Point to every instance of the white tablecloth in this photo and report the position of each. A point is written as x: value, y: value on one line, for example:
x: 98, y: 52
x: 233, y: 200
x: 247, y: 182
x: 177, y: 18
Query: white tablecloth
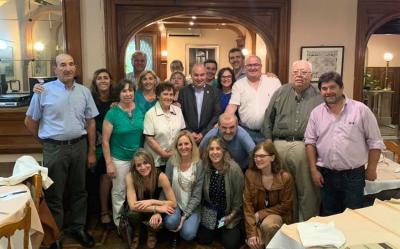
x: 388, y: 178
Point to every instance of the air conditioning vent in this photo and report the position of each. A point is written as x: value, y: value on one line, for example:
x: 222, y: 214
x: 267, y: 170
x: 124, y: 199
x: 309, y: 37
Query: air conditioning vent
x: 183, y: 33
x: 47, y: 2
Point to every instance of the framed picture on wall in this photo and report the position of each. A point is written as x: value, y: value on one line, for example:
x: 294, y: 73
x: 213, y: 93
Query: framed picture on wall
x: 198, y: 54
x: 323, y: 59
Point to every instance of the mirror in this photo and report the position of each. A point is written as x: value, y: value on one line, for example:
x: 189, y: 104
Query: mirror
x: 382, y: 76
x: 193, y: 39
x: 31, y: 35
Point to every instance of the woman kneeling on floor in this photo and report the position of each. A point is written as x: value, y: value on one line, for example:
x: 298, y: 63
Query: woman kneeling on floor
x: 267, y: 197
x: 144, y: 185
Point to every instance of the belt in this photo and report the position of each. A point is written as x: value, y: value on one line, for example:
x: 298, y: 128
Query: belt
x: 289, y: 138
x: 64, y: 142
x: 323, y: 169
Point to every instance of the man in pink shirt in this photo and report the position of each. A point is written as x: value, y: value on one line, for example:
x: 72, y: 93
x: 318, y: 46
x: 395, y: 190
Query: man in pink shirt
x: 342, y: 135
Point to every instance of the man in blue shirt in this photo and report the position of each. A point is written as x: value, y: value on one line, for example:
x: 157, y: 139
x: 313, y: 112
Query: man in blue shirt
x: 62, y: 118
x: 239, y: 143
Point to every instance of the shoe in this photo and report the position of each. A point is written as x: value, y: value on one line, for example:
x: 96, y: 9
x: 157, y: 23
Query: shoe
x: 151, y: 239
x: 105, y: 218
x: 136, y: 238
x: 83, y: 238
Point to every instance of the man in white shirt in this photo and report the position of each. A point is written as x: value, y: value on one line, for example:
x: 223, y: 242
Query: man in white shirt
x: 251, y: 96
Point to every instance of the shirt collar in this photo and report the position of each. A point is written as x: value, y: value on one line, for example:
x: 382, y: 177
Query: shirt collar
x: 60, y: 84
x: 160, y: 112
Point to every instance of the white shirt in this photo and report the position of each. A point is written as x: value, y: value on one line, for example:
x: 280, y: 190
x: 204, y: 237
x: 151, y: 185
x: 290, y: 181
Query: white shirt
x: 187, y: 179
x: 252, y: 103
x: 163, y: 127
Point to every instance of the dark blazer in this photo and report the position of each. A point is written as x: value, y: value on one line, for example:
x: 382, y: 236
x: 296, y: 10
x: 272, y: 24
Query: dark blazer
x: 210, y: 110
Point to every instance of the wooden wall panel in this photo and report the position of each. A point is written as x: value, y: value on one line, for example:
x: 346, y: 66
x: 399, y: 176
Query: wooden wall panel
x: 269, y: 18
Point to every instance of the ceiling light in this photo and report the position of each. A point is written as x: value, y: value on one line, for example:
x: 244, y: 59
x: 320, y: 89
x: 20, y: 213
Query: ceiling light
x: 194, y: 17
x: 191, y: 23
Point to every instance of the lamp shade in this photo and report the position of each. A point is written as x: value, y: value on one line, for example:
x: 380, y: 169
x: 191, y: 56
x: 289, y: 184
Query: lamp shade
x: 388, y: 56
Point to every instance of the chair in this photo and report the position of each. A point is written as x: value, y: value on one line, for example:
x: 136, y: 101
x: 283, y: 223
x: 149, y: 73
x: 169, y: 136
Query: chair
x: 394, y: 148
x: 36, y: 188
x: 24, y: 224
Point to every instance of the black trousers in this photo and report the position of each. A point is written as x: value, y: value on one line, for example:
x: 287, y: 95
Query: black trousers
x: 230, y: 238
x: 67, y: 168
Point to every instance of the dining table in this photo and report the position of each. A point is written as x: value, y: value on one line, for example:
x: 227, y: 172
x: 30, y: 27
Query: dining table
x: 13, y: 200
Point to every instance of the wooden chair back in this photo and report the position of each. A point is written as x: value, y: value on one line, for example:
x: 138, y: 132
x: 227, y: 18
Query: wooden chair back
x: 395, y: 148
x: 36, y: 188
x: 24, y: 224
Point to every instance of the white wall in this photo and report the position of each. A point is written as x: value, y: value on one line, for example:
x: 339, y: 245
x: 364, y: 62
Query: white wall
x: 93, y: 38
x: 224, y: 38
x: 380, y: 44
x: 325, y: 23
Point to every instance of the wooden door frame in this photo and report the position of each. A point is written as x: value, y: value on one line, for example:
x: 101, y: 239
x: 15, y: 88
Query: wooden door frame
x: 270, y: 19
x: 371, y: 15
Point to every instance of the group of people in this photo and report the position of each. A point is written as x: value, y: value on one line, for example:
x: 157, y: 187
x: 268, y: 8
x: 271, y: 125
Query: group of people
x: 235, y: 156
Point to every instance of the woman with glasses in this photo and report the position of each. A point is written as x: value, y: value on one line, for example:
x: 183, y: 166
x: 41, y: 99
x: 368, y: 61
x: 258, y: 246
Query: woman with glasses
x: 225, y: 80
x: 267, y: 197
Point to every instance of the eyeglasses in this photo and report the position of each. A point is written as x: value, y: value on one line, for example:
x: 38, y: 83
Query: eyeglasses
x: 256, y: 65
x: 261, y: 156
x: 302, y: 73
x: 226, y: 77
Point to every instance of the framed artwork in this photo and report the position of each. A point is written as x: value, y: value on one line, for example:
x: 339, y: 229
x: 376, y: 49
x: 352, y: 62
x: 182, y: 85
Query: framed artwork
x: 200, y: 53
x: 323, y: 59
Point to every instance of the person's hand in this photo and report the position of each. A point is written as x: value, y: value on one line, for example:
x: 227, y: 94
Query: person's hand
x: 91, y: 159
x: 272, y: 75
x: 180, y: 225
x: 167, y: 154
x: 113, y: 104
x: 110, y: 170
x: 317, y: 177
x: 257, y: 215
x: 155, y: 221
x: 197, y: 137
x: 143, y: 204
x: 38, y: 88
x: 165, y: 209
x: 370, y: 175
x: 254, y: 242
x: 228, y: 219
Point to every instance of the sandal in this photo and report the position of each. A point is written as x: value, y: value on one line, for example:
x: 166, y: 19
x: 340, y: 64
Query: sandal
x: 151, y: 239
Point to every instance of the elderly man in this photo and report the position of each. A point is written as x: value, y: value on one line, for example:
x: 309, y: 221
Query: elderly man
x: 139, y: 62
x: 236, y: 59
x: 62, y: 118
x: 211, y: 69
x: 199, y: 103
x: 342, y: 135
x: 285, y: 122
x: 252, y: 95
x: 239, y: 143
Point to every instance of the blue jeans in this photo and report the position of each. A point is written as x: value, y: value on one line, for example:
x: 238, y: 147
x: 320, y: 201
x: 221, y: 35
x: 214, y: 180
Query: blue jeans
x: 189, y: 228
x: 342, y: 189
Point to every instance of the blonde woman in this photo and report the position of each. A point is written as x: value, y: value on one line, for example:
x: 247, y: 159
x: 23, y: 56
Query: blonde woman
x: 185, y: 172
x: 145, y: 96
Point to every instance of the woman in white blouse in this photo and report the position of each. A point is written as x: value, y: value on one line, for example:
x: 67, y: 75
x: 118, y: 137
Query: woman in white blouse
x: 161, y: 124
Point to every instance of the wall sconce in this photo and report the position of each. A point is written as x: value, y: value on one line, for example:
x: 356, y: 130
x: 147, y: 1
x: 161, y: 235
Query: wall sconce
x: 38, y: 46
x: 245, y: 51
x: 164, y: 53
x: 387, y: 57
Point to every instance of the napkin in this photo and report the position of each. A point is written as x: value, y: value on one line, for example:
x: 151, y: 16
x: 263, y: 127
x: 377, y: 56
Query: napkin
x: 25, y: 167
x: 320, y: 234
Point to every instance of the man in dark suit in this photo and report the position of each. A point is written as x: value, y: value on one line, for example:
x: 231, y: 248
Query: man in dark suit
x: 200, y: 104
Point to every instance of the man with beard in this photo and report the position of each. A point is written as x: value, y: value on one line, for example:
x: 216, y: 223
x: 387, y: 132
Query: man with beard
x: 285, y: 122
x: 238, y: 141
x: 236, y: 59
x: 211, y: 69
x: 342, y: 135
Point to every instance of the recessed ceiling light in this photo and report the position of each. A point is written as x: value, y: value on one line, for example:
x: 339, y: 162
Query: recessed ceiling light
x: 194, y: 17
x: 191, y: 23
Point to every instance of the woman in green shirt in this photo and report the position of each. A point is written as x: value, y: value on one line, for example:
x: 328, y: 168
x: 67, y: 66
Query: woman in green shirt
x: 122, y: 137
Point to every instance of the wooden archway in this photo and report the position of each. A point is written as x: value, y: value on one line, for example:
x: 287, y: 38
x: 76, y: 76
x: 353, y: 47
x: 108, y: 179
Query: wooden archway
x: 270, y: 19
x: 371, y: 14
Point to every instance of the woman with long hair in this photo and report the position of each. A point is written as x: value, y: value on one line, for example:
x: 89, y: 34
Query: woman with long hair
x: 225, y: 80
x: 186, y: 174
x: 122, y: 137
x: 221, y: 208
x: 144, y: 184
x: 178, y: 79
x: 145, y: 96
x: 268, y: 196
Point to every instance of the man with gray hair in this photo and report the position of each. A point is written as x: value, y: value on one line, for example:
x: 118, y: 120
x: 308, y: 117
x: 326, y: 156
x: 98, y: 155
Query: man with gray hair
x: 239, y: 143
x: 139, y: 62
x: 285, y: 122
